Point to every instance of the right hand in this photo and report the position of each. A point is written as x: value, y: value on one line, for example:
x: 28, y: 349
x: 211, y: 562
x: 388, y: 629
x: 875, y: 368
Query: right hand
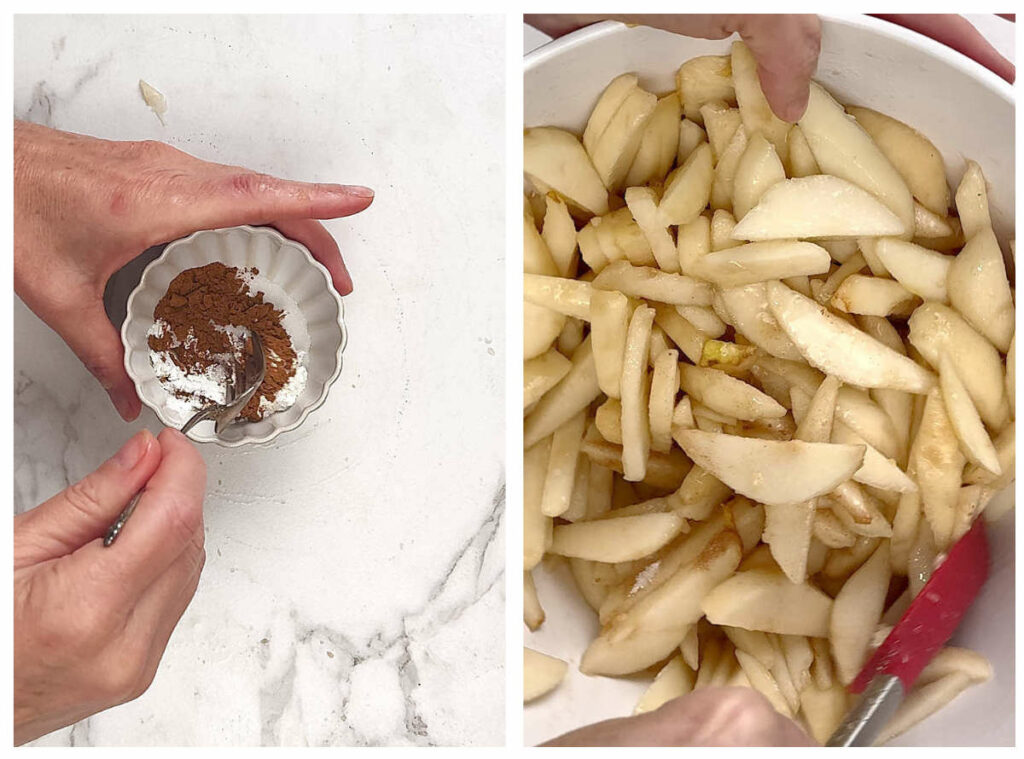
x: 705, y: 717
x: 91, y: 622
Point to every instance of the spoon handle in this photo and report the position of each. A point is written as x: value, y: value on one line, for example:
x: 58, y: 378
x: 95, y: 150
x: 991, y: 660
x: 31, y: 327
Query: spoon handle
x: 201, y: 415
x: 115, y: 529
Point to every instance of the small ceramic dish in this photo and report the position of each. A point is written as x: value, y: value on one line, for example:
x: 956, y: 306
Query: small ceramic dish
x: 290, y: 268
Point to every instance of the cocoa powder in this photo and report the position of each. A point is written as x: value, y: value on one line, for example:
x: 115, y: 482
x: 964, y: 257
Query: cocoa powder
x: 199, y: 310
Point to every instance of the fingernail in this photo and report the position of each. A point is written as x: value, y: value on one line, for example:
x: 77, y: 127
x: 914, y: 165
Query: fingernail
x: 131, y: 453
x: 127, y: 406
x: 357, y: 190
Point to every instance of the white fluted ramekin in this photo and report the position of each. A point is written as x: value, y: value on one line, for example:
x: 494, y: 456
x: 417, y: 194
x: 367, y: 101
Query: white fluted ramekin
x: 285, y: 263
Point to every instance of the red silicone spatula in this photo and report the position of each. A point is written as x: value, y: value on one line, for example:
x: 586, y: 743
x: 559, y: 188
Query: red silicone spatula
x: 923, y: 629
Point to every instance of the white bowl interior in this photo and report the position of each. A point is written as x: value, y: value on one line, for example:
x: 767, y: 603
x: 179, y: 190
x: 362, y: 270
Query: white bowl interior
x: 287, y: 265
x: 967, y: 112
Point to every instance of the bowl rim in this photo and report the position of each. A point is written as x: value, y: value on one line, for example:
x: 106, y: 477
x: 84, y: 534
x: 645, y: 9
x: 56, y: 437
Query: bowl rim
x: 934, y: 49
x: 252, y: 231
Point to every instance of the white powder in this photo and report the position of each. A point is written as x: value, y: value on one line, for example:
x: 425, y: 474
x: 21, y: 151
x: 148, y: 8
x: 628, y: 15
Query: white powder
x: 190, y: 392
x: 644, y: 577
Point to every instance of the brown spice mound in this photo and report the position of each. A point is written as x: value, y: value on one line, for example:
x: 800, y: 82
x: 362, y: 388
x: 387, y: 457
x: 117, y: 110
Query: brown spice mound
x: 201, y: 300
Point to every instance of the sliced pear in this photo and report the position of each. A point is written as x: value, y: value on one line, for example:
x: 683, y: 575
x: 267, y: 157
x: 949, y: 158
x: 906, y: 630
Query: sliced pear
x: 703, y: 79
x: 759, y: 168
x: 930, y: 225
x: 541, y: 674
x: 1005, y: 449
x: 643, y: 204
x: 938, y: 463
x: 838, y: 348
x: 758, y: 117
x: 689, y: 339
x: 722, y: 225
x: 693, y: 241
x: 922, y: 702
x: 690, y: 136
x: 636, y: 435
x: 917, y: 160
x: 843, y: 149
x: 878, y: 471
x: 924, y: 272
x: 664, y: 388
x: 541, y: 327
x: 536, y: 526
x: 972, y: 201
x: 658, y: 145
x: 979, y: 290
x: 559, y: 233
x: 769, y: 602
x: 590, y: 247
x: 609, y: 320
x: 536, y: 256
x: 688, y: 188
x: 657, y: 623
x: 561, y: 294
x: 675, y: 679
x: 626, y: 655
x: 761, y: 680
x: 615, y: 149
x: 823, y: 709
x: 872, y: 296
x: 608, y: 103
x: 727, y: 395
x: 761, y: 261
x: 533, y: 613
x: 771, y: 471
x: 720, y: 123
x: 749, y: 313
x: 935, y: 329
x: 801, y: 161
x: 542, y: 373
x: 841, y: 249
x: 817, y: 206
x: 561, y: 473
x: 787, y: 531
x: 856, y: 612
x: 653, y: 284
x: 566, y: 399
x: 705, y: 319
x: 616, y: 539
x: 725, y: 171
x: 557, y: 160
x: 970, y: 430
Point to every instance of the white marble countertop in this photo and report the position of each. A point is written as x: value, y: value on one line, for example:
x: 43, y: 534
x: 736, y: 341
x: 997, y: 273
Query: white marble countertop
x: 353, y: 591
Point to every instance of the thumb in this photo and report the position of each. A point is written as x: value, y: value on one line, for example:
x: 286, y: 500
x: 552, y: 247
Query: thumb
x: 83, y: 512
x: 89, y: 333
x: 786, y: 48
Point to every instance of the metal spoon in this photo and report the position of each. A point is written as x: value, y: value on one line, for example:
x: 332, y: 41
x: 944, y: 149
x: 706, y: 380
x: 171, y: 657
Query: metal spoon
x: 254, y: 369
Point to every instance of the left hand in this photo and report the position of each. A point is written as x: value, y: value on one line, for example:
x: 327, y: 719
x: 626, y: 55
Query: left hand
x: 84, y: 207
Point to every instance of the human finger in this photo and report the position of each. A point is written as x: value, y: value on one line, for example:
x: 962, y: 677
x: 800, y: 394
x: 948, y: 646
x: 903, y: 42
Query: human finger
x: 958, y: 33
x: 83, y: 511
x: 229, y: 196
x: 785, y: 45
x: 786, y: 48
x: 163, y: 525
x: 89, y: 333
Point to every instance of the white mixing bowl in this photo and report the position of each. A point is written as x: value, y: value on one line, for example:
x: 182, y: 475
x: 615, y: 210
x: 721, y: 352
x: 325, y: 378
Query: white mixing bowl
x: 968, y: 112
